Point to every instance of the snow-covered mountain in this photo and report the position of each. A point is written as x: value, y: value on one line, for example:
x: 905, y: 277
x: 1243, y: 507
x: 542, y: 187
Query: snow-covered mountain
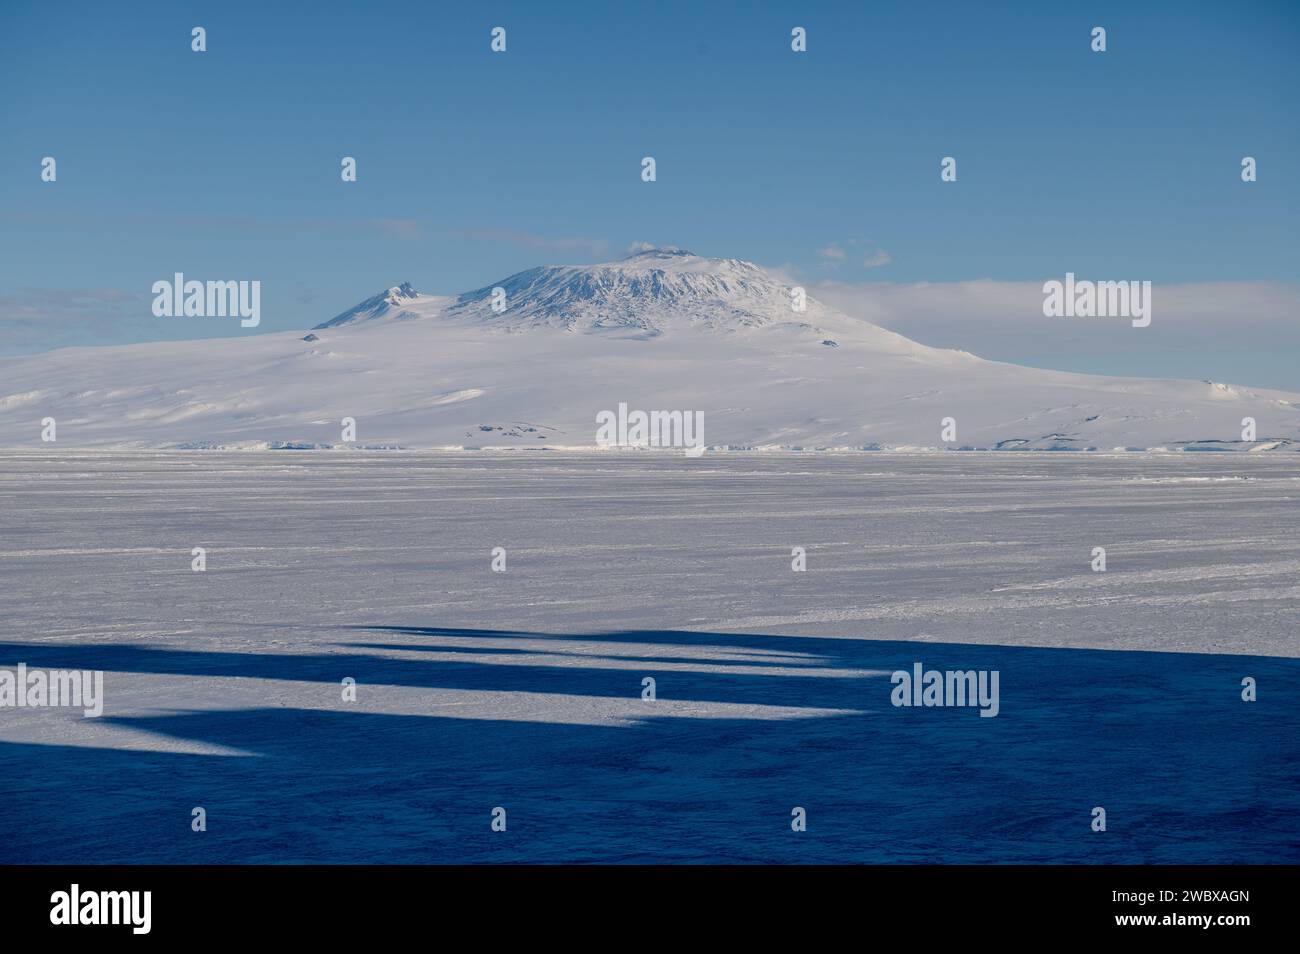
x: 531, y: 360
x: 646, y: 294
x: 387, y: 304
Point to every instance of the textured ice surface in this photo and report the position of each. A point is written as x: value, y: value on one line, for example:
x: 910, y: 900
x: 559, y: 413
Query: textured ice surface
x: 522, y: 689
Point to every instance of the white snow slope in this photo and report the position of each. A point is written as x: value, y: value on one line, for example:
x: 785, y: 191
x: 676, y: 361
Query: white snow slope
x: 660, y: 330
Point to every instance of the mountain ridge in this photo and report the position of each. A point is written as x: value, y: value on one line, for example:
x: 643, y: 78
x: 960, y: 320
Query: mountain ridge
x: 661, y: 329
x: 646, y: 294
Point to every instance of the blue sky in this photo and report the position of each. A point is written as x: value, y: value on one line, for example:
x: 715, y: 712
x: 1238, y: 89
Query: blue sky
x: 472, y: 165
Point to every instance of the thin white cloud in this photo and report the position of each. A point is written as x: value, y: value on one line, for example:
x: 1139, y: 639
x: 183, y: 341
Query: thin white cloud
x: 996, y: 319
x: 545, y: 242
x: 836, y: 253
x: 408, y: 230
x: 65, y: 304
x: 44, y: 318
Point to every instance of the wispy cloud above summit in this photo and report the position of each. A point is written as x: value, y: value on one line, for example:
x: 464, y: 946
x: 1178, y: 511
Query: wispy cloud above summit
x: 861, y: 251
x: 591, y: 246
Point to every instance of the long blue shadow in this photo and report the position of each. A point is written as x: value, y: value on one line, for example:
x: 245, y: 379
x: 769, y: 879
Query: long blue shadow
x: 1186, y: 771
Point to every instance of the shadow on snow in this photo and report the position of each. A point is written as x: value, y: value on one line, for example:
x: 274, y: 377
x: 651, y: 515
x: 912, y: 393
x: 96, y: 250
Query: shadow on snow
x: 1186, y: 770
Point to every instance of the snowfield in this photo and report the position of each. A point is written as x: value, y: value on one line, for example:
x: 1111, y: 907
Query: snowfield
x: 523, y: 689
x: 661, y: 330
